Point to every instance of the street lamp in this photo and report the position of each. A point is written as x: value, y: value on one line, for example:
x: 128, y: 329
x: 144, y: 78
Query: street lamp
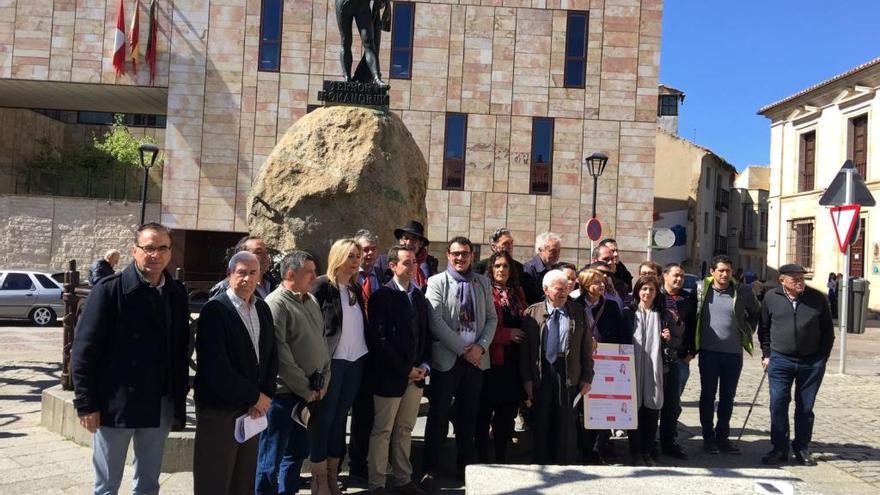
x: 150, y: 152
x: 596, y: 165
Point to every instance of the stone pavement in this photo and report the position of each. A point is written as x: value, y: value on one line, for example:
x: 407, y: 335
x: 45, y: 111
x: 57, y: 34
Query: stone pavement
x: 846, y: 435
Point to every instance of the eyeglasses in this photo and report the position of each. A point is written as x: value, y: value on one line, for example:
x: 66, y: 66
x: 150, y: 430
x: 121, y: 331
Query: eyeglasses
x: 459, y: 254
x: 154, y: 249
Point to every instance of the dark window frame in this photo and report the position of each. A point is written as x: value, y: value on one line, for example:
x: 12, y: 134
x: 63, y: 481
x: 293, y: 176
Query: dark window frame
x: 764, y: 220
x: 801, y: 240
x: 407, y: 50
x: 274, y: 42
x: 583, y: 60
x: 448, y: 164
x: 533, y: 165
x: 46, y: 282
x: 664, y: 105
x: 807, y: 162
x: 861, y: 167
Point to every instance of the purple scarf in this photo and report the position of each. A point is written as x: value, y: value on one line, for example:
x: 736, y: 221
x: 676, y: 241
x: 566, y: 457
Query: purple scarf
x: 465, y: 299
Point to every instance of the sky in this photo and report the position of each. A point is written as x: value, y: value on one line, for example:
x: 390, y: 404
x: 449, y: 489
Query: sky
x: 733, y: 57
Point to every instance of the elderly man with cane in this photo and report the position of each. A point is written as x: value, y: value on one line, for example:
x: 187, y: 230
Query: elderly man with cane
x: 796, y: 335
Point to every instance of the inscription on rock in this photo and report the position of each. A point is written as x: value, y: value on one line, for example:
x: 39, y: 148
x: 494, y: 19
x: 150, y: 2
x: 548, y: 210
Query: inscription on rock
x: 355, y: 93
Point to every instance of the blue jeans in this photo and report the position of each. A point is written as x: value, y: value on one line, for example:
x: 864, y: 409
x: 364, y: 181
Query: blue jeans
x: 806, y: 374
x: 110, y: 446
x: 684, y: 372
x: 719, y: 371
x: 328, y: 417
x: 284, y: 446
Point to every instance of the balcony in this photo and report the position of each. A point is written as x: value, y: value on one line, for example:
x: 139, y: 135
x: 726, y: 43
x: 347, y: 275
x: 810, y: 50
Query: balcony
x: 722, y: 199
x: 720, y: 244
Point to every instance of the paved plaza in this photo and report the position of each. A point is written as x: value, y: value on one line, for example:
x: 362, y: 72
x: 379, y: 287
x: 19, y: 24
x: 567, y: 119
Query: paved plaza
x: 847, y: 432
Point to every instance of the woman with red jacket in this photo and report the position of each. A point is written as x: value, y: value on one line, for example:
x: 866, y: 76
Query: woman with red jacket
x: 502, y: 388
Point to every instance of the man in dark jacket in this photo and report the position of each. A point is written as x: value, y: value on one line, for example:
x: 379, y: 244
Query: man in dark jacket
x: 257, y: 247
x: 555, y: 366
x: 796, y: 335
x: 683, y: 305
x: 103, y: 267
x: 129, y: 363
x: 547, y: 249
x: 501, y: 240
x: 400, y: 350
x: 238, y: 365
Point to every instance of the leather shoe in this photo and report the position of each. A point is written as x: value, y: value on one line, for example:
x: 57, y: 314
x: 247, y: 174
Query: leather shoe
x: 775, y: 458
x: 726, y: 446
x: 675, y: 451
x: 803, y: 457
x: 710, y: 447
x: 428, y: 484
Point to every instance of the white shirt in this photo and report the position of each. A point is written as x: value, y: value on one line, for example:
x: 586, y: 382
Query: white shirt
x: 352, y: 344
x: 250, y: 318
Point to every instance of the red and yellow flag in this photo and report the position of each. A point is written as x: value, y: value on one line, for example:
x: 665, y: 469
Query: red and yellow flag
x: 134, y: 34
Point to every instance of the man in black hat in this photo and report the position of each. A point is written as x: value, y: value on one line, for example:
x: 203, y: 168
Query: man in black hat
x: 796, y: 335
x: 412, y: 236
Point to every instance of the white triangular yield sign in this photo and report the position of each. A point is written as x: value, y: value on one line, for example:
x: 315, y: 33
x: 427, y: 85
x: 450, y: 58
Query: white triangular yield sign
x: 844, y: 219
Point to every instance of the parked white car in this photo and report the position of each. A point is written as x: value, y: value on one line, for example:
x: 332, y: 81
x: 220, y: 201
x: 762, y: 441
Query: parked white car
x: 30, y: 294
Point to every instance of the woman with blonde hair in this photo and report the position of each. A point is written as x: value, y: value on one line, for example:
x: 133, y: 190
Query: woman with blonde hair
x: 342, y: 305
x: 607, y: 328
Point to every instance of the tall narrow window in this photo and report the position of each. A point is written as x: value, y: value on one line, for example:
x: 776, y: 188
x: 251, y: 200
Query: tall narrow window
x: 576, y: 49
x: 402, y: 40
x: 541, y: 174
x: 807, y: 162
x: 858, y: 144
x: 270, y: 35
x: 800, y: 242
x: 764, y: 226
x: 454, y: 151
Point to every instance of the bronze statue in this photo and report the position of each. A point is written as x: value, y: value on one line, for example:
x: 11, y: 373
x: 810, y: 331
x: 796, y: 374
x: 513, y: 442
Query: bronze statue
x: 370, y: 22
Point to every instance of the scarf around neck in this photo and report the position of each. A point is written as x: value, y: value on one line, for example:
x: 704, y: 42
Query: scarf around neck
x: 420, y: 278
x: 465, y: 299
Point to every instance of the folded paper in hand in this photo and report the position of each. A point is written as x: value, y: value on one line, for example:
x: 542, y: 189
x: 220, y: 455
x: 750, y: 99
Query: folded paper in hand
x: 246, y: 427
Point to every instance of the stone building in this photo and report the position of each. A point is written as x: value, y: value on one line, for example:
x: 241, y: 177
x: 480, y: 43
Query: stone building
x: 748, y: 218
x: 693, y: 199
x: 504, y: 97
x: 812, y: 133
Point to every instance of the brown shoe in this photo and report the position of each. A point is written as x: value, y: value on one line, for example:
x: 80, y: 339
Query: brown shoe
x: 333, y: 476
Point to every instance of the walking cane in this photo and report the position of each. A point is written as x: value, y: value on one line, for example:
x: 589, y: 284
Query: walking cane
x: 755, y: 399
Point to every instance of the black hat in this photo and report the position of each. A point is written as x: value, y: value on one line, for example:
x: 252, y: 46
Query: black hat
x: 791, y: 268
x: 414, y: 228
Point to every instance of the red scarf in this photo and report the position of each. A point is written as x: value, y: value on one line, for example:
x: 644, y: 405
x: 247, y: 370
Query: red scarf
x: 420, y: 279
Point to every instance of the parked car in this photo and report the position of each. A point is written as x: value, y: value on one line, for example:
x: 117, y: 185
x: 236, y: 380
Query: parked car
x: 30, y: 294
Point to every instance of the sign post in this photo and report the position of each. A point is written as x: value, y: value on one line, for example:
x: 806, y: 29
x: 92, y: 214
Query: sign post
x: 847, y: 193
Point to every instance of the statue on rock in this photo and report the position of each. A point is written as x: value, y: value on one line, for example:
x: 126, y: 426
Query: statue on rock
x: 370, y: 22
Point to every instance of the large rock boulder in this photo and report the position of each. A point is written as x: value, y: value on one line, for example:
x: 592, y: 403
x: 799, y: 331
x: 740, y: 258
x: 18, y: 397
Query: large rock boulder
x: 336, y: 170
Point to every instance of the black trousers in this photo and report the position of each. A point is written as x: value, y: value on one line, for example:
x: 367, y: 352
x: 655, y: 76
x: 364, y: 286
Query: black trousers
x: 499, y: 399
x: 641, y: 441
x: 554, y: 420
x: 361, y: 425
x: 671, y: 406
x: 463, y: 381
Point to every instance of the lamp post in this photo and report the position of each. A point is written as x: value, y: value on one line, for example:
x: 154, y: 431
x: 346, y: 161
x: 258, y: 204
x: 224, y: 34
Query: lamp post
x: 150, y: 152
x: 596, y: 165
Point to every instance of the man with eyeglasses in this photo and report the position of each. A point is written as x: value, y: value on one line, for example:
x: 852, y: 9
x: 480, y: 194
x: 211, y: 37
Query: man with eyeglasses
x: 604, y: 253
x: 796, y: 335
x: 621, y: 273
x: 462, y: 325
x: 500, y: 240
x: 130, y: 361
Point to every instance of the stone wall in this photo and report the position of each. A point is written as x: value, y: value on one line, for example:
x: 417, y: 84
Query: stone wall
x: 501, y: 62
x: 46, y: 232
x: 72, y: 41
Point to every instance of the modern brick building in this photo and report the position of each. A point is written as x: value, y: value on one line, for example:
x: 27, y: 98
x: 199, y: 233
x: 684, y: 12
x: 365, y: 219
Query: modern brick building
x: 504, y: 97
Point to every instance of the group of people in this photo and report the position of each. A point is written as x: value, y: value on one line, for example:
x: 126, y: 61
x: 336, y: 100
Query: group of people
x: 492, y: 338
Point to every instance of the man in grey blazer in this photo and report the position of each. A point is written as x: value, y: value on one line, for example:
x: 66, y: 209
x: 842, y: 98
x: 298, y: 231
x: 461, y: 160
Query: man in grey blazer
x: 462, y: 326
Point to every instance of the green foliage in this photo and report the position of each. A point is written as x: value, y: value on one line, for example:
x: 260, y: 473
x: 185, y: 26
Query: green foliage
x: 121, y: 145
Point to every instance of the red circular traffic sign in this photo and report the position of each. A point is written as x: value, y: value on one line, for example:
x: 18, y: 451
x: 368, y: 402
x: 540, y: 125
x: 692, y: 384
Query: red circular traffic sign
x: 594, y: 229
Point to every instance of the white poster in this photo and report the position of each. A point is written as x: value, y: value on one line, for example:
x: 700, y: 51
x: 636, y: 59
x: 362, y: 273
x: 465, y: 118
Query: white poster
x: 611, y: 403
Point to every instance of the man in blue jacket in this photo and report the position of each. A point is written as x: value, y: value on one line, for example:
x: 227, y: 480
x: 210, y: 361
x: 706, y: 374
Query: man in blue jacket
x: 400, y: 350
x: 130, y: 362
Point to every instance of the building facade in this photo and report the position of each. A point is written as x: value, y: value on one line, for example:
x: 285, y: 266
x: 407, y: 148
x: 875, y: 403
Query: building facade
x: 812, y: 133
x: 504, y: 97
x: 748, y: 217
